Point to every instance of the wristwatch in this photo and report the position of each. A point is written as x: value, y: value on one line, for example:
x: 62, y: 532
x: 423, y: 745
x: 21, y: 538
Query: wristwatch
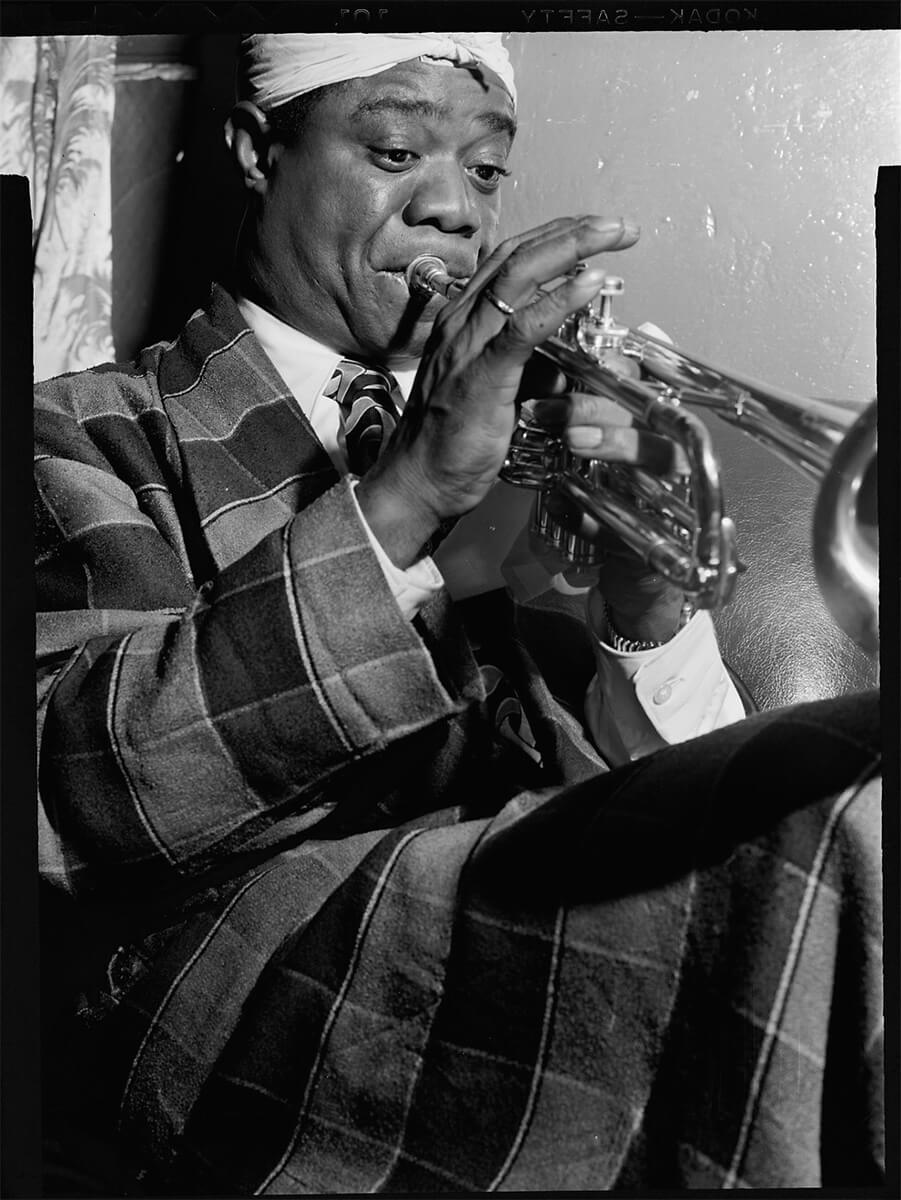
x: 633, y: 646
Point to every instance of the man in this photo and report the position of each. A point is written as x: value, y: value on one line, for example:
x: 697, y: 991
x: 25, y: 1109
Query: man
x: 340, y: 935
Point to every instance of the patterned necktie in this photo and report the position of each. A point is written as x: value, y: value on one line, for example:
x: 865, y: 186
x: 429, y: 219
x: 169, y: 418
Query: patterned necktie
x: 368, y: 412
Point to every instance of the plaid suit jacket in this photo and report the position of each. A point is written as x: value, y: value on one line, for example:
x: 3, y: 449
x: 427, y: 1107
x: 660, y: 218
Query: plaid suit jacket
x: 199, y: 637
x: 335, y: 938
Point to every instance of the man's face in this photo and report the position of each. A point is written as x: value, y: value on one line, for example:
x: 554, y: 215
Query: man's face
x: 404, y: 163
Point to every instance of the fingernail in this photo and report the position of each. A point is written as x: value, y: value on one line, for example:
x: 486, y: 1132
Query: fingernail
x: 621, y: 233
x: 604, y: 224
x: 593, y: 277
x: 631, y: 232
x: 621, y: 225
x: 584, y: 437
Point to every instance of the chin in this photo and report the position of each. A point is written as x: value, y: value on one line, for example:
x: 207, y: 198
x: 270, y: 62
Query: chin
x: 402, y: 325
x: 411, y: 338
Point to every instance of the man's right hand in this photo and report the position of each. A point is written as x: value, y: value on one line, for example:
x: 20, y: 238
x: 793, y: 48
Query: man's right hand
x: 452, y: 440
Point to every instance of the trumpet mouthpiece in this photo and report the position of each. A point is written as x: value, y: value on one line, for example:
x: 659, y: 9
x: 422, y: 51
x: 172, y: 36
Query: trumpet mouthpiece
x: 427, y: 275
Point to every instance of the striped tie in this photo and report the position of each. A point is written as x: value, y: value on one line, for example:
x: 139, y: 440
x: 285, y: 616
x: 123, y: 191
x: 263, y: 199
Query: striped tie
x: 368, y: 412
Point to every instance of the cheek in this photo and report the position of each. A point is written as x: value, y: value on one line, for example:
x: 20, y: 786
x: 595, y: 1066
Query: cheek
x: 298, y: 222
x: 490, y: 221
x: 324, y: 207
x: 366, y: 214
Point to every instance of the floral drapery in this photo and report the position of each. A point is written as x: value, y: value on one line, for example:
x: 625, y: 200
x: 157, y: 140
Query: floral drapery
x: 56, y: 114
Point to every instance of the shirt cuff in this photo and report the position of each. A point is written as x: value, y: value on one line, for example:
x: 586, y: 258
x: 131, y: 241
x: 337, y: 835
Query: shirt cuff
x: 412, y: 586
x: 640, y: 701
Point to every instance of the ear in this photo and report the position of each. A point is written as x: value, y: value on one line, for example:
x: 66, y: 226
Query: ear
x: 248, y: 137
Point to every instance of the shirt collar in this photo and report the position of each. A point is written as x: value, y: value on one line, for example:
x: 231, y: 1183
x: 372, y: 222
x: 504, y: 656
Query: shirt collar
x: 305, y: 364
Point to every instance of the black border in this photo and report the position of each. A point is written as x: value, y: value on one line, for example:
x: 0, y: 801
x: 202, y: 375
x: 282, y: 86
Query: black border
x: 19, y: 935
x: 19, y: 1014
x: 888, y: 385
x: 20, y: 17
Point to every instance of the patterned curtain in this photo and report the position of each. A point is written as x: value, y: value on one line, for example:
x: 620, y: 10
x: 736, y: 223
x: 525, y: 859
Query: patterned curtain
x: 56, y: 117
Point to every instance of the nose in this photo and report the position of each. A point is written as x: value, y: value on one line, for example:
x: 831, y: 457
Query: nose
x: 444, y: 198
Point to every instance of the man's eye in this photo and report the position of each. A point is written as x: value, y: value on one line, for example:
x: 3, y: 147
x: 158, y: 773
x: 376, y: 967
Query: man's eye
x: 393, y: 158
x: 489, y: 175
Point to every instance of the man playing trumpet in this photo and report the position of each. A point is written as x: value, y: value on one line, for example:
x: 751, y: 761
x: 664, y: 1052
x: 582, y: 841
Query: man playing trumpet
x: 342, y: 935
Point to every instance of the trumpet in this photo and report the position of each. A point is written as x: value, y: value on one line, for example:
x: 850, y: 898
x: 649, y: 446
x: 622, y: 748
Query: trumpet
x: 679, y: 527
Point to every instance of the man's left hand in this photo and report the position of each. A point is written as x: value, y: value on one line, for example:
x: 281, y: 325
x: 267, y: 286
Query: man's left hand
x: 641, y: 604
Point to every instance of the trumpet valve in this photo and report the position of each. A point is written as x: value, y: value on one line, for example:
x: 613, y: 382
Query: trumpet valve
x: 600, y: 335
x: 614, y: 285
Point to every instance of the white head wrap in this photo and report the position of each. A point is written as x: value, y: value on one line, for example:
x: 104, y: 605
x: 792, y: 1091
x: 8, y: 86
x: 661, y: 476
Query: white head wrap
x: 282, y: 66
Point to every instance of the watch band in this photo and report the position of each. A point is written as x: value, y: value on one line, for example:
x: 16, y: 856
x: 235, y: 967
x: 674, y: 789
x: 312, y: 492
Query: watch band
x: 632, y: 645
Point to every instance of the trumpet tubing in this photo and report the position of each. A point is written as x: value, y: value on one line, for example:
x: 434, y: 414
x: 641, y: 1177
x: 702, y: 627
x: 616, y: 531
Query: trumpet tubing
x: 688, y: 538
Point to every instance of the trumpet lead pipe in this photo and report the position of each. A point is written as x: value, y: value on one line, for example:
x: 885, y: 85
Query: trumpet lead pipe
x: 427, y: 275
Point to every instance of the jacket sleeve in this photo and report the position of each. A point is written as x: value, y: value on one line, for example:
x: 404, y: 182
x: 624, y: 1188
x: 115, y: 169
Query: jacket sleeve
x: 177, y: 724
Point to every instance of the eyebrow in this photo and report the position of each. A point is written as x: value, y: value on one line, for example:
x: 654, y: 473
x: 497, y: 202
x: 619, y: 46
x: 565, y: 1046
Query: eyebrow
x: 495, y: 122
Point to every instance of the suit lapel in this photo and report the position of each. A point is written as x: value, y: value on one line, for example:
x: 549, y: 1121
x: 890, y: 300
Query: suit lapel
x: 250, y: 456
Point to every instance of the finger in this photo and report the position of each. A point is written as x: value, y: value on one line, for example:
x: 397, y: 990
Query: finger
x: 578, y: 408
x: 580, y: 578
x: 516, y: 271
x: 527, y: 237
x: 513, y: 277
x: 597, y: 427
x: 555, y: 562
x: 575, y: 520
x: 655, y: 331
x: 465, y: 299
x: 532, y: 238
x: 541, y: 377
x: 518, y: 335
x: 619, y: 232
x: 543, y: 259
x: 629, y: 445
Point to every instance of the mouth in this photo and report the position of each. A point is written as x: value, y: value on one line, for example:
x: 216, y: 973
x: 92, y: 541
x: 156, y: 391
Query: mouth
x: 456, y: 269
x: 397, y: 276
x: 399, y: 281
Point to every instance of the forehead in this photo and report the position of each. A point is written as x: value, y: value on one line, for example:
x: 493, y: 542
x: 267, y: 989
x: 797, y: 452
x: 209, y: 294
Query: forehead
x: 436, y: 93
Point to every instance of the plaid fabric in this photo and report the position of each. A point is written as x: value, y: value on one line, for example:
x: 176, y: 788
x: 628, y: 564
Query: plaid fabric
x: 334, y: 937
x: 192, y: 623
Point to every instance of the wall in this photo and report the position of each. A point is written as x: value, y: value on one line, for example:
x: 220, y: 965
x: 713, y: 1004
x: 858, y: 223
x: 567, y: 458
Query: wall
x: 748, y: 158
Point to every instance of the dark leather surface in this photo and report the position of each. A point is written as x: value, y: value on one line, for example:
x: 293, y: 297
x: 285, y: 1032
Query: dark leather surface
x: 777, y: 634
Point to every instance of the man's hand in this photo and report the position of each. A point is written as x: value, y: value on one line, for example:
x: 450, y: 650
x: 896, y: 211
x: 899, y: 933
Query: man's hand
x: 641, y: 604
x: 452, y: 440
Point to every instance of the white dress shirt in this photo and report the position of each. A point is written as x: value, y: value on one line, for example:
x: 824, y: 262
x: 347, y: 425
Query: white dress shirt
x: 637, y: 702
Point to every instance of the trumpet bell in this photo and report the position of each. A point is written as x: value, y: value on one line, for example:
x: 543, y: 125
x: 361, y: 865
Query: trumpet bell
x: 846, y: 537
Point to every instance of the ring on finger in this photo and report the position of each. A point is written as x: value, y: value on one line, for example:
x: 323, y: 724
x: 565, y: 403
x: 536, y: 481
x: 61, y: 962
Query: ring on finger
x: 501, y: 305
